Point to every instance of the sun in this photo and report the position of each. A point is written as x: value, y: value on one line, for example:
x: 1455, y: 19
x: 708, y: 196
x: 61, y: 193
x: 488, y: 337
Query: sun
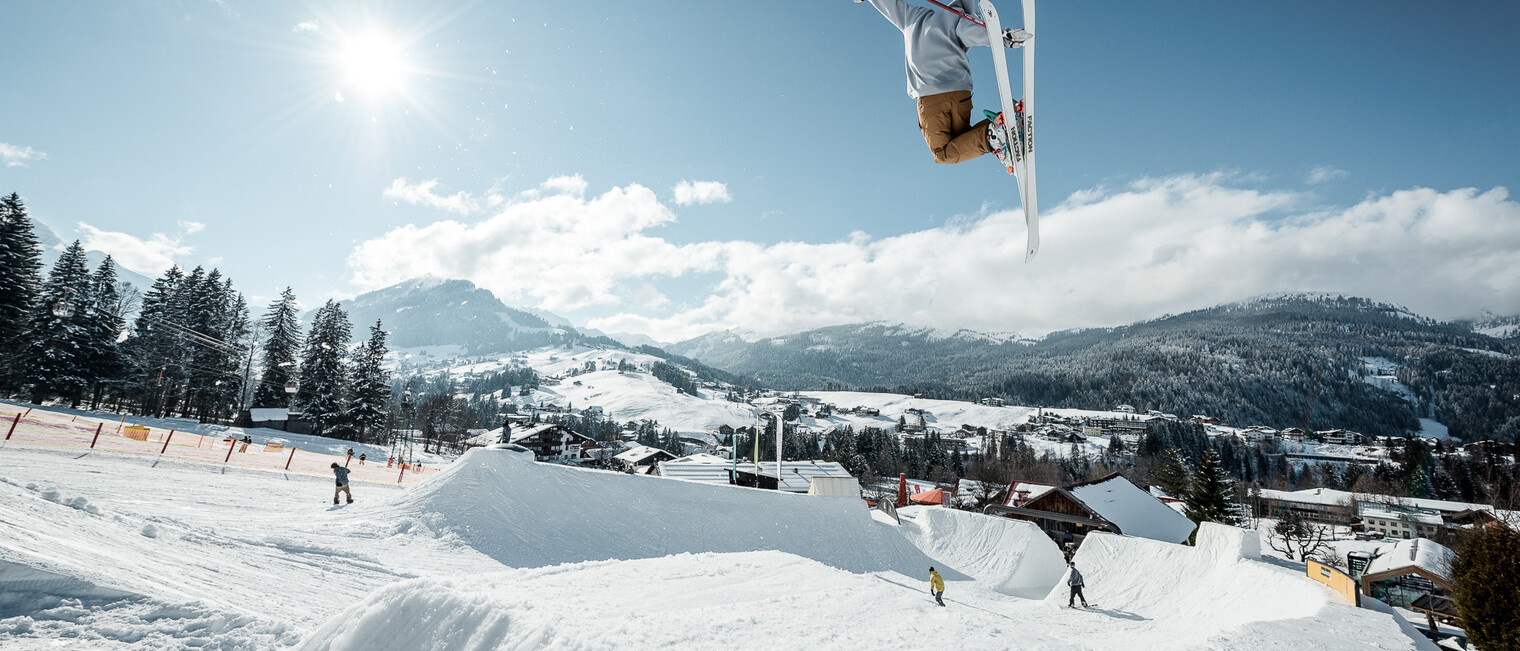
x: 373, y: 63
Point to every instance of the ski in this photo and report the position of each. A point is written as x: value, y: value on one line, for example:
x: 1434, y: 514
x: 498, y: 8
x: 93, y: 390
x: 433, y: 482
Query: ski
x: 1018, y: 118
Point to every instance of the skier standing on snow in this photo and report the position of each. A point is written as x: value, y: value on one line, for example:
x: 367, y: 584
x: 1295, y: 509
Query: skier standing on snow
x: 1074, y: 580
x: 936, y: 586
x: 939, y: 76
x: 342, y: 475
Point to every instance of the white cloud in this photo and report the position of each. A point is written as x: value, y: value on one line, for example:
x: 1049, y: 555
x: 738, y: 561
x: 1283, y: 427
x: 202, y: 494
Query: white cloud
x: 687, y: 193
x: 151, y: 256
x: 1324, y: 173
x: 18, y: 156
x: 190, y: 227
x: 1110, y: 256
x: 305, y: 26
x: 422, y: 194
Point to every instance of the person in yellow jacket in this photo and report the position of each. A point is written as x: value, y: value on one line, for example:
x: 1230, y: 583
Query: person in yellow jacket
x: 936, y: 586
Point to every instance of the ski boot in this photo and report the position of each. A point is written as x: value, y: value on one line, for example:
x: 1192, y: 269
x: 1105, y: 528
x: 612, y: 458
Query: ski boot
x: 997, y: 143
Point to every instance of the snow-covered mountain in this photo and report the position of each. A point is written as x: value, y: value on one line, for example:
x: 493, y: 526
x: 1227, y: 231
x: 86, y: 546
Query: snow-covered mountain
x: 53, y: 246
x: 432, y: 311
x: 1250, y: 362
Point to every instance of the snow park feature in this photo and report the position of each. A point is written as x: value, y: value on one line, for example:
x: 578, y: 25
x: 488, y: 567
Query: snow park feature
x: 1008, y: 556
x: 517, y: 511
x: 106, y: 549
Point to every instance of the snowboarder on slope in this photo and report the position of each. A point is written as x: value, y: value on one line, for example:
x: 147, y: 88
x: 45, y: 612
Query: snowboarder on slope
x: 939, y: 76
x: 936, y: 586
x: 1074, y: 581
x: 342, y: 475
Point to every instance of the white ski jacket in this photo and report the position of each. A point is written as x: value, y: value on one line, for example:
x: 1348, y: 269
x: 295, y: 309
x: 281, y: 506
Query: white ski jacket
x: 936, y: 43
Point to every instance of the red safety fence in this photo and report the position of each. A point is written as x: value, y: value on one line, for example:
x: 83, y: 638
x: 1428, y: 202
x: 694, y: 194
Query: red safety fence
x: 49, y: 429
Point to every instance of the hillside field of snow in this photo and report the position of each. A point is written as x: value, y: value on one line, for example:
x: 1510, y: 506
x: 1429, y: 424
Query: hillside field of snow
x: 105, y: 549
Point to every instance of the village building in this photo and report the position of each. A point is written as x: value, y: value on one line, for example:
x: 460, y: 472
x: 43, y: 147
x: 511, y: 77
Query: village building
x: 641, y: 458
x: 702, y: 468
x: 796, y: 476
x: 1393, y: 516
x: 1415, y: 571
x: 550, y: 442
x: 1111, y: 503
x: 1399, y: 522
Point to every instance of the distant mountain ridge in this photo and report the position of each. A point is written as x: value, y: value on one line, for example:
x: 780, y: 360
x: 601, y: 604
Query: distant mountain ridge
x: 1253, y: 362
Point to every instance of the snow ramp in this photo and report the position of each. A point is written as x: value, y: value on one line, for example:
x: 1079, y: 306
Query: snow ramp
x: 1217, y: 594
x: 1012, y: 557
x: 526, y: 514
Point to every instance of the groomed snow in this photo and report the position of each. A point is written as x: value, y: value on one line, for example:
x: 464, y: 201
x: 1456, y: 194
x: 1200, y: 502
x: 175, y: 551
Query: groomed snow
x: 111, y: 550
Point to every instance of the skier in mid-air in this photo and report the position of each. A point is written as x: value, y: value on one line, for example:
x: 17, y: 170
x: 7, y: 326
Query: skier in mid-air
x: 939, y: 76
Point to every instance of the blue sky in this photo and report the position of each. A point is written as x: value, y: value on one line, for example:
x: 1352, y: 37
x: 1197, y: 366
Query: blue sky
x: 535, y: 147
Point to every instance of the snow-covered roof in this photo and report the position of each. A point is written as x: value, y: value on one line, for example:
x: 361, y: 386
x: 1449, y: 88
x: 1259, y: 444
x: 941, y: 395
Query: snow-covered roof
x: 1034, y: 490
x: 639, y: 454
x: 1331, y: 497
x: 485, y: 438
x: 701, y: 458
x: 1427, y: 555
x: 265, y: 414
x: 1136, y: 512
x: 707, y: 473
x: 1391, y: 512
x: 796, y: 476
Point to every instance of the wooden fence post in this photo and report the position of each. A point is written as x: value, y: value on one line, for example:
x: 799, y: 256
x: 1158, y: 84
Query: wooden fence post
x: 14, y: 423
x: 291, y: 457
x: 230, y: 448
x: 97, y: 435
x: 168, y: 438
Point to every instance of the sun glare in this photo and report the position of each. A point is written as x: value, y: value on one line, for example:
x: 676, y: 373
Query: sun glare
x: 372, y: 63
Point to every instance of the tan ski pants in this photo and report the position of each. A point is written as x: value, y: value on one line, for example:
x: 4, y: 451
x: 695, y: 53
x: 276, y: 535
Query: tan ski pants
x: 945, y: 120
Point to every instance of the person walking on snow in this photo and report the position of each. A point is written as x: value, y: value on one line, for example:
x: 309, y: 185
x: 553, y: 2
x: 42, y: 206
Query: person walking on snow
x: 342, y: 475
x: 1074, y: 581
x: 939, y: 76
x: 936, y: 586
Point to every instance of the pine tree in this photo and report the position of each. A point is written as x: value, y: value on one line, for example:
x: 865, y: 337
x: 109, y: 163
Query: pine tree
x: 324, y: 375
x: 371, y: 385
x: 1209, y: 498
x: 282, y: 329
x: 1486, y: 580
x: 57, y: 353
x: 20, y: 285
x: 154, y: 349
x: 1171, y: 476
x: 104, y: 321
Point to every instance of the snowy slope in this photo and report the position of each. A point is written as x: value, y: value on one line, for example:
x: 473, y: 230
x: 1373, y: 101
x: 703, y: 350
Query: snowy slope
x: 107, y: 550
x: 506, y: 506
x: 1217, y: 595
x: 1008, y: 556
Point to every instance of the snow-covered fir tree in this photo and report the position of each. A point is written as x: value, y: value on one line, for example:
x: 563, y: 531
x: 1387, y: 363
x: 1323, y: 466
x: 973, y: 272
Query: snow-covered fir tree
x: 153, y: 350
x: 371, y: 385
x: 104, y: 320
x: 282, y: 332
x: 1209, y: 499
x: 324, y: 374
x: 20, y: 282
x: 57, y: 362
x: 1171, y: 476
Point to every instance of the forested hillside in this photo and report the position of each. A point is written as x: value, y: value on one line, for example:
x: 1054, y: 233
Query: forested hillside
x: 1259, y: 362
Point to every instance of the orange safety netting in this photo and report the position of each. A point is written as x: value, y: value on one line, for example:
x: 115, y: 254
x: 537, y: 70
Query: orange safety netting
x: 56, y: 430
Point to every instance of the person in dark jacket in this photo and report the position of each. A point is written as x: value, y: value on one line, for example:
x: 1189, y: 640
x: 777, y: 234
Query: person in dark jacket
x: 361, y: 458
x: 342, y: 475
x: 1074, y: 581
